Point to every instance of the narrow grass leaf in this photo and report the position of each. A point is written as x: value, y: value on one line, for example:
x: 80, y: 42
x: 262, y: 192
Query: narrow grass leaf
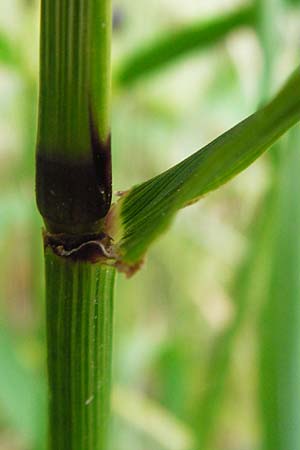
x: 245, y: 288
x: 280, y: 324
x: 146, y: 211
x: 152, y: 419
x: 169, y: 47
x: 248, y: 281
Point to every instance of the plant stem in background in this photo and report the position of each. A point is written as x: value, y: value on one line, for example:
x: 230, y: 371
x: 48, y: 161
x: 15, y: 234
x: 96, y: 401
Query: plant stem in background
x: 279, y: 326
x: 249, y: 273
x: 73, y: 182
x: 268, y: 13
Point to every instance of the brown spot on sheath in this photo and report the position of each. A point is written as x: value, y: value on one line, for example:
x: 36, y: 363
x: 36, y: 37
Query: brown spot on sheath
x: 73, y: 196
x: 91, y: 248
x: 102, y: 162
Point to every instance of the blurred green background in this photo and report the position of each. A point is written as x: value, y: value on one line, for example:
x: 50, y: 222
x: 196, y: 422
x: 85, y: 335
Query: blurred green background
x: 207, y: 335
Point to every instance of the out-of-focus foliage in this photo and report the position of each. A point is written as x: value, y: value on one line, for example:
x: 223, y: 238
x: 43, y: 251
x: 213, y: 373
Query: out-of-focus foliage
x: 8, y: 54
x: 206, y: 336
x: 179, y: 43
x: 279, y: 325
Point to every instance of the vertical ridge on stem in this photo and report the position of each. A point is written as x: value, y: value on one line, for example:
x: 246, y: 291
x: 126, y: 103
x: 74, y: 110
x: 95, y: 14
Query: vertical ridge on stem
x: 79, y: 330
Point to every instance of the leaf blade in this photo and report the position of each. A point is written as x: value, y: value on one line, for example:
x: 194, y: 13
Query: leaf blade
x: 167, y: 48
x: 279, y: 320
x: 148, y: 208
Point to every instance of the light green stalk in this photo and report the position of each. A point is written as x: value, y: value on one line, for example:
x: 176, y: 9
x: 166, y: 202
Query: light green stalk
x: 279, y: 327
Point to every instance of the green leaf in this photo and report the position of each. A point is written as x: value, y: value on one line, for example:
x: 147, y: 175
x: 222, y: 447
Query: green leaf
x: 169, y: 47
x: 280, y: 321
x: 145, y: 212
x: 293, y: 2
x: 245, y: 288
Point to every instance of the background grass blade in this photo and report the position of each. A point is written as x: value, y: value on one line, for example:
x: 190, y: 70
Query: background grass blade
x: 249, y: 273
x: 146, y: 211
x: 168, y: 48
x: 8, y: 52
x: 247, y: 283
x: 151, y: 418
x: 279, y: 328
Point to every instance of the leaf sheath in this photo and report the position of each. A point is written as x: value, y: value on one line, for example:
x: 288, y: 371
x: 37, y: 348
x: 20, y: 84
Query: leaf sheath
x: 79, y: 329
